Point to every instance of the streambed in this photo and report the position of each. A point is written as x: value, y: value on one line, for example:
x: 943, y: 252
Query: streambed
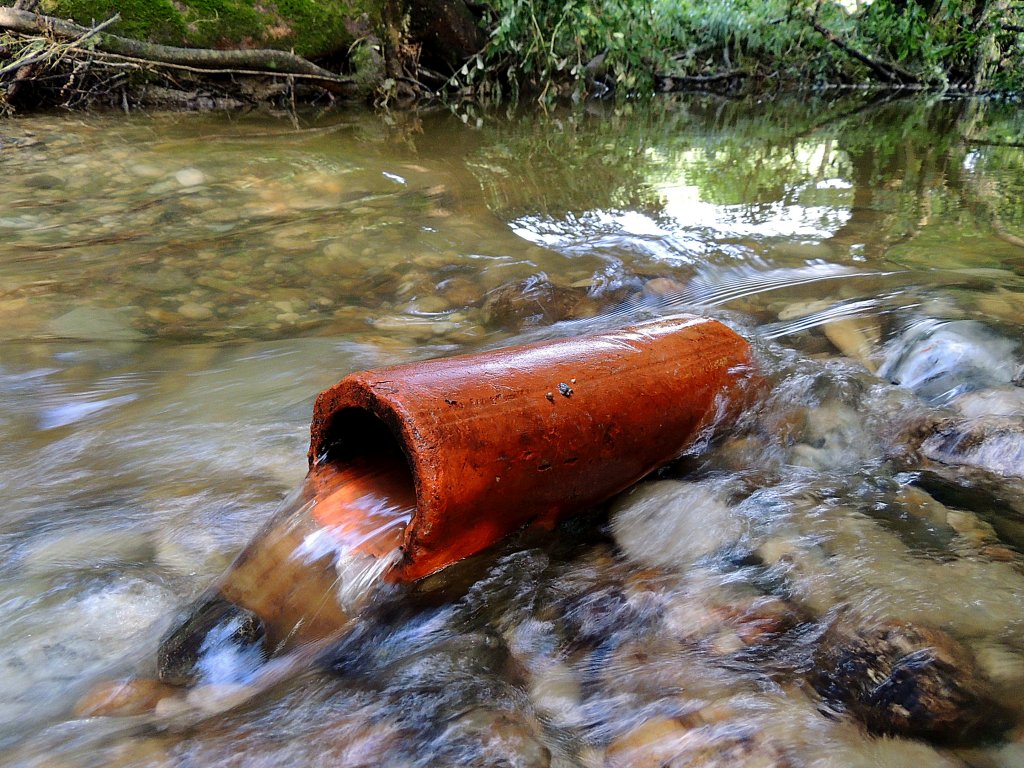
x: 175, y: 289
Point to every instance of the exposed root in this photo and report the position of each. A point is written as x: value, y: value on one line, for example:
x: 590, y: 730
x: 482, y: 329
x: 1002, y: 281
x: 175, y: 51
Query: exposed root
x: 55, y: 61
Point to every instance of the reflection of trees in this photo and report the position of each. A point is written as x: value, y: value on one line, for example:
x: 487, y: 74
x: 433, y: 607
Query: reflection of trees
x: 906, y: 161
x: 906, y: 158
x: 558, y: 163
x: 994, y: 181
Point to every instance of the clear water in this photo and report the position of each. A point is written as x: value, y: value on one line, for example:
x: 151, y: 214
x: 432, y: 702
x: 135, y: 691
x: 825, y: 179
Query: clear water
x: 175, y: 290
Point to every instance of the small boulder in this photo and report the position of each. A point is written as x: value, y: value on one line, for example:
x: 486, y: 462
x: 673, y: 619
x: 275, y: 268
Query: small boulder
x: 905, y: 680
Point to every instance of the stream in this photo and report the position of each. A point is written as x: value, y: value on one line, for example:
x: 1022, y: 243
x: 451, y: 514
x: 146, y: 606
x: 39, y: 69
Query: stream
x: 836, y: 579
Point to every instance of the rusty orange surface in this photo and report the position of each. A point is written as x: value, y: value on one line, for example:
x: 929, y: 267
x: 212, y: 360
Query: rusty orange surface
x: 533, y: 433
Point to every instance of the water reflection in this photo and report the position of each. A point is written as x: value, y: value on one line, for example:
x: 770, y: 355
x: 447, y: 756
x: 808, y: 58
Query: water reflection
x: 175, y: 289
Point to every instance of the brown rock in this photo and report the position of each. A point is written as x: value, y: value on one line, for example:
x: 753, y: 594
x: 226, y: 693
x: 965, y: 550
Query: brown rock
x: 134, y: 696
x: 663, y: 287
x: 905, y: 680
x: 534, y: 301
x: 670, y: 743
x: 652, y: 744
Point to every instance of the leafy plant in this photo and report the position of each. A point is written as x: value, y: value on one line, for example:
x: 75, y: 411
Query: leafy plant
x: 557, y: 46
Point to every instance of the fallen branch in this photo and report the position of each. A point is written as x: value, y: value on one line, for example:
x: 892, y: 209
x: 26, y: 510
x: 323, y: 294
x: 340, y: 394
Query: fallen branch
x: 887, y: 71
x: 261, y: 61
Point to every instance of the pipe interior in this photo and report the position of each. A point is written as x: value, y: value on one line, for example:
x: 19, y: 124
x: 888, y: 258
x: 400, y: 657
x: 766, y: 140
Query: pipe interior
x: 356, y: 434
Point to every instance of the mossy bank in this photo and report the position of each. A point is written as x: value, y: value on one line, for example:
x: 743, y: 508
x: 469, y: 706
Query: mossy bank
x: 308, y: 27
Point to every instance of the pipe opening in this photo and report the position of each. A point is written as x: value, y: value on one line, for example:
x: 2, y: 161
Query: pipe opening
x: 364, y: 445
x: 355, y: 433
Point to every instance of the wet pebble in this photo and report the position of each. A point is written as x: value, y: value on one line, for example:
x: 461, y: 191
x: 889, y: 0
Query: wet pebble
x: 834, y: 437
x: 220, y: 697
x: 555, y: 692
x: 427, y: 305
x: 663, y: 287
x: 994, y: 444
x: 997, y: 401
x: 684, y: 743
x: 656, y: 742
x: 122, y: 698
x: 483, y: 738
x: 193, y: 311
x: 1004, y: 666
x: 533, y: 301
x: 460, y: 291
x: 190, y: 177
x: 857, y: 338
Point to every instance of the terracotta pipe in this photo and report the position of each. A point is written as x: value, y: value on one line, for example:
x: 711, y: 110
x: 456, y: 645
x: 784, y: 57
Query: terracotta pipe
x: 533, y: 433
x: 467, y: 449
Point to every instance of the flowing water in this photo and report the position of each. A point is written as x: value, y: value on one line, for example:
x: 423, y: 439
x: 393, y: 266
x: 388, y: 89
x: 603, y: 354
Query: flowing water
x: 836, y: 580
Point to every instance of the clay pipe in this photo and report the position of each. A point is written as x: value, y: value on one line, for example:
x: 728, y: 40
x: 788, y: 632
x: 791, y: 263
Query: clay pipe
x: 472, y: 448
x: 531, y: 434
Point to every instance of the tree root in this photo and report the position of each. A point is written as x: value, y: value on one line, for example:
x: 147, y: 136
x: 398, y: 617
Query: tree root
x: 197, y: 60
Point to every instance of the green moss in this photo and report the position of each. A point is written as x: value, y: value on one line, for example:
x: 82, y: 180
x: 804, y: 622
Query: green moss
x: 309, y: 27
x: 156, y: 20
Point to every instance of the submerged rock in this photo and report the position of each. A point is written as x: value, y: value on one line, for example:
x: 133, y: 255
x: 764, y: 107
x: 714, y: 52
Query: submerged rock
x: 217, y: 641
x: 905, y: 680
x: 940, y: 360
x: 670, y: 524
x: 538, y: 301
x: 834, y: 436
x: 857, y: 338
x: 688, y: 743
x: 998, y: 401
x: 993, y: 444
x: 486, y: 737
x: 95, y: 324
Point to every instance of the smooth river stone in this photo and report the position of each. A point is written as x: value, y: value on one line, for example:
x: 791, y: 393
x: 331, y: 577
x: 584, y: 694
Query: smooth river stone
x: 190, y: 177
x: 670, y: 524
x: 940, y: 360
x: 193, y: 311
x: 133, y: 696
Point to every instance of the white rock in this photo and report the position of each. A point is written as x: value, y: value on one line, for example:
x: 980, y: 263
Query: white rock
x: 669, y: 524
x: 998, y: 401
x: 194, y: 311
x: 190, y: 177
x: 555, y: 692
x: 940, y: 360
